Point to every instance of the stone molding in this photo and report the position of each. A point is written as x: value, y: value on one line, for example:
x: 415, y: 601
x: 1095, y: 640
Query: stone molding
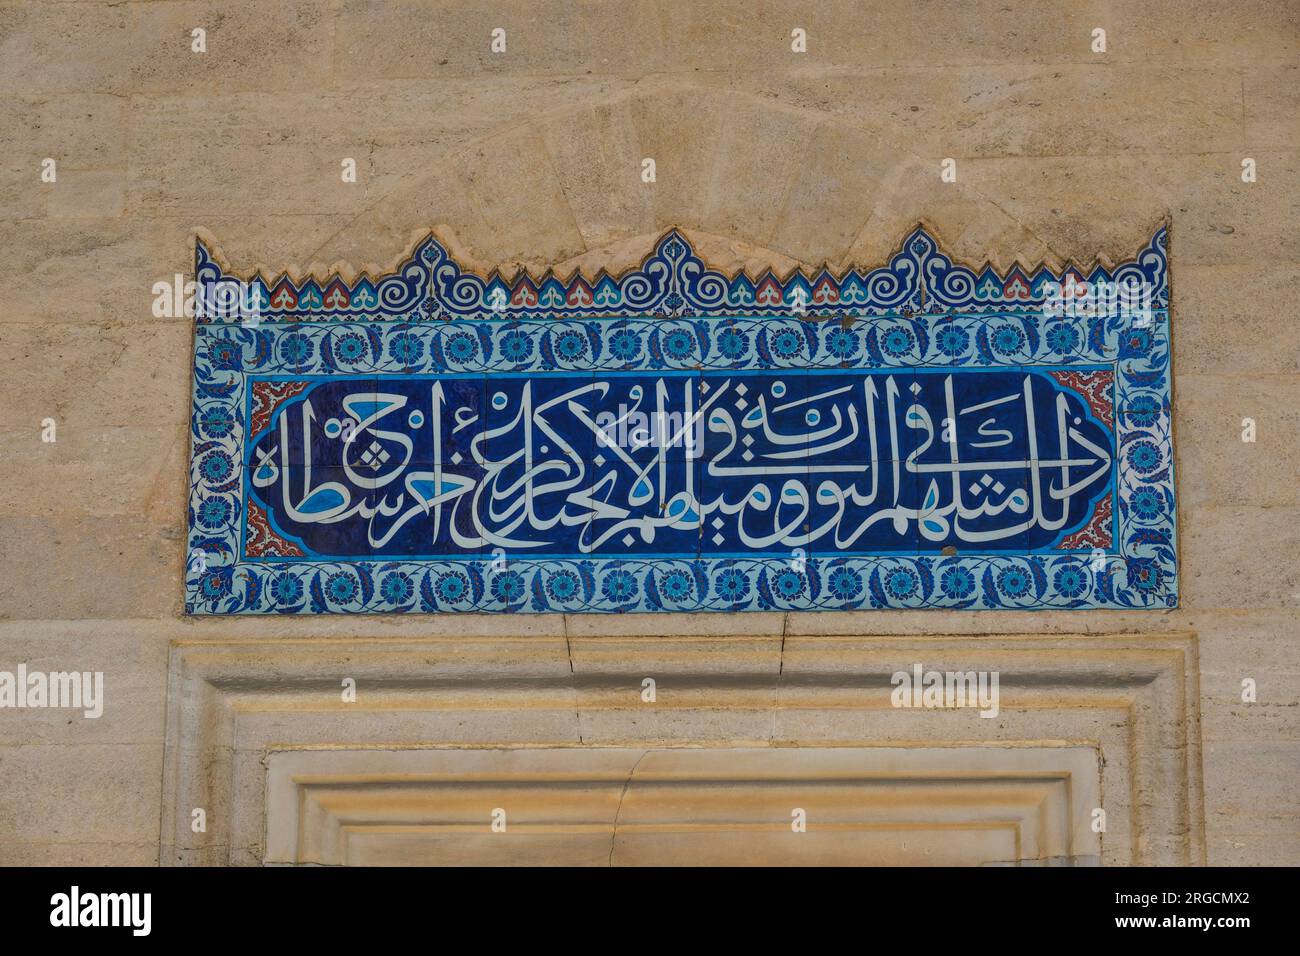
x: 244, y: 714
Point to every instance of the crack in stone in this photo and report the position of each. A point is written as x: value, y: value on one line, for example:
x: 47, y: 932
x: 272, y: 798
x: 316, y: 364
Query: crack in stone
x: 613, y: 835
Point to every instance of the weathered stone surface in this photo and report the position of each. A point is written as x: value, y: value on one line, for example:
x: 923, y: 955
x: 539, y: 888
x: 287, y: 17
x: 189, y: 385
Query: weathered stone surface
x: 82, y: 793
x: 1215, y: 334
x: 1215, y: 465
x: 146, y: 47
x: 532, y: 157
x: 1233, y: 557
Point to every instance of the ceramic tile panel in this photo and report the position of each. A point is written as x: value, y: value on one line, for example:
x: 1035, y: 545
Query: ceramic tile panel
x: 920, y: 434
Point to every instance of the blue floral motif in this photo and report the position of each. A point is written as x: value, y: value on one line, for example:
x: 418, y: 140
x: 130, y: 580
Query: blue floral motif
x: 732, y: 343
x: 1062, y: 338
x: 952, y: 341
x: 1145, y: 574
x: 1007, y: 339
x: 1147, y: 503
x: 844, y: 583
x: 216, y: 421
x: 214, y: 512
x: 676, y: 585
x: 842, y: 344
x: 296, y: 349
x: 901, y: 583
x: 786, y: 344
x: 1143, y: 411
x: 563, y: 586
x: 1071, y: 579
x: 406, y: 348
x: 897, y: 342
x: 732, y: 585
x: 350, y: 348
x: 225, y: 355
x: 1014, y: 581
x: 516, y: 346
x: 508, y: 586
x: 216, y: 583
x: 625, y: 345
x: 618, y: 587
x: 452, y: 586
x: 789, y: 584
x: 216, y: 467
x: 285, y: 588
x: 571, y: 345
x: 341, y: 587
x: 1135, y: 343
x: 396, y: 588
x: 462, y: 347
x: 1143, y: 457
x: 678, y: 344
x: 957, y: 582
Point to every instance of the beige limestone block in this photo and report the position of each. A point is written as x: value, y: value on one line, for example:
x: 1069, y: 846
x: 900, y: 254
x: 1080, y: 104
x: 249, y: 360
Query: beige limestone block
x: 598, y: 159
x: 970, y: 226
x: 89, y: 270
x: 99, y: 472
x: 832, y: 195
x: 1273, y: 719
x: 1247, y: 786
x: 81, y: 793
x: 78, y: 48
x: 22, y: 193
x: 678, y: 127
x: 1235, y: 556
x: 133, y: 698
x: 140, y: 373
x: 1072, y: 203
x: 45, y: 853
x: 748, y: 186
x: 88, y: 194
x: 551, y: 37
x: 1220, y: 319
x: 146, y: 47
x: 71, y: 567
x: 512, y: 182
x: 1246, y: 848
x: 82, y: 130
x: 124, y: 455
x: 1237, y: 644
x: 1270, y: 95
x: 1254, y: 32
x: 1215, y: 466
x: 253, y: 177
x: 1004, y: 109
x: 399, y: 135
x: 386, y: 232
x: 991, y: 32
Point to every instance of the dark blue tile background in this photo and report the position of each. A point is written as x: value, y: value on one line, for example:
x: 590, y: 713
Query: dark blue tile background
x: 795, y: 404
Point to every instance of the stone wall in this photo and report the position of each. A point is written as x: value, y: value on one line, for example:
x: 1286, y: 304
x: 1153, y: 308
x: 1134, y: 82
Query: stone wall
x: 533, y: 157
